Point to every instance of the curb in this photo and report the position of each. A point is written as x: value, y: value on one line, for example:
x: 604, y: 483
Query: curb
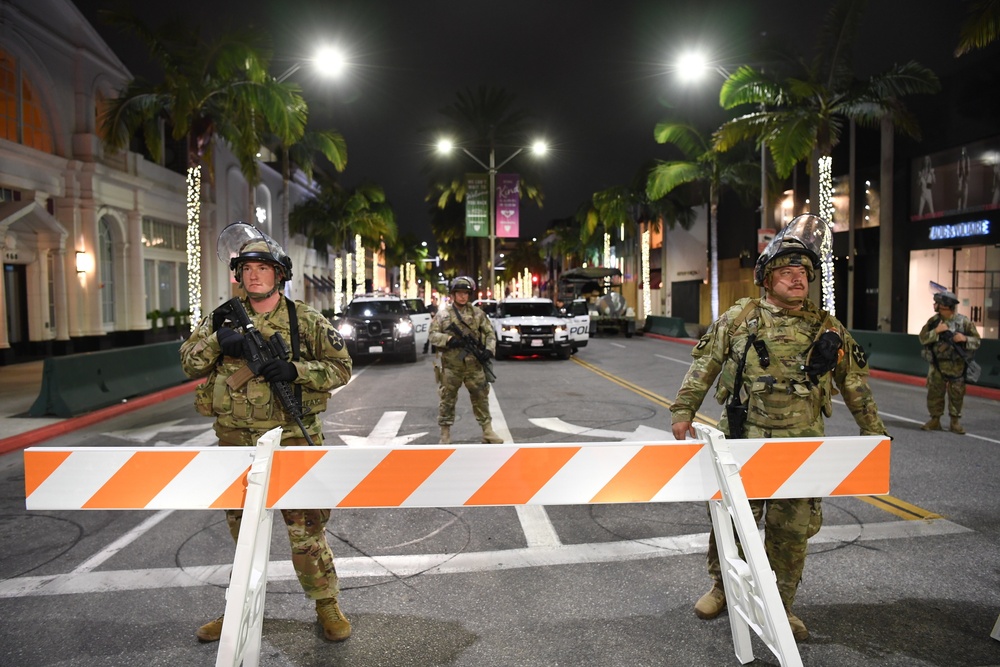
x: 28, y: 438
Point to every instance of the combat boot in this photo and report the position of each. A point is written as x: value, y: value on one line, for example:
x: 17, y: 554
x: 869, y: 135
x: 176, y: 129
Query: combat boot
x: 711, y: 603
x: 490, y: 436
x: 445, y: 434
x: 934, y: 424
x: 956, y: 426
x: 336, y: 627
x: 211, y: 631
x: 799, y: 630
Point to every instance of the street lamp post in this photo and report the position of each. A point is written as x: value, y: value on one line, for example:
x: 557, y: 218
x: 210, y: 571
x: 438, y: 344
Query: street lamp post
x: 538, y: 148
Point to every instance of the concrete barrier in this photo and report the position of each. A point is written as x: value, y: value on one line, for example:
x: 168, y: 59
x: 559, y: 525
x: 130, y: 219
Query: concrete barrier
x: 666, y: 326
x: 79, y: 383
x: 900, y: 353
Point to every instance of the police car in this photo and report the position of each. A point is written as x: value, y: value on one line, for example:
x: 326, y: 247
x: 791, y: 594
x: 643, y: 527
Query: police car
x: 531, y: 326
x: 578, y: 313
x: 378, y: 326
x: 421, y: 318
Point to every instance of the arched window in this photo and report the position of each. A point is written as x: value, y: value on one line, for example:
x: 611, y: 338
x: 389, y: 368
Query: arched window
x: 106, y: 270
x: 22, y: 119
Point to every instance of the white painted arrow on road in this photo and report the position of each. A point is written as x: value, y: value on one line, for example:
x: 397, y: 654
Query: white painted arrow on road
x: 641, y: 433
x: 144, y: 434
x: 385, y: 433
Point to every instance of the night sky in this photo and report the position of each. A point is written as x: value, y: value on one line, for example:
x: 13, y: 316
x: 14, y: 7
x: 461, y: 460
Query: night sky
x: 594, y: 75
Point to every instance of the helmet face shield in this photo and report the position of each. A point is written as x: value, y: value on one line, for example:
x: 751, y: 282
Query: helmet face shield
x: 462, y: 283
x: 946, y: 298
x: 240, y: 242
x: 804, y: 235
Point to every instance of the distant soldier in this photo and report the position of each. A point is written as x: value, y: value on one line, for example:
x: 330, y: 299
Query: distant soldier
x: 949, y: 339
x: 245, y: 406
x: 458, y: 366
x: 777, y: 359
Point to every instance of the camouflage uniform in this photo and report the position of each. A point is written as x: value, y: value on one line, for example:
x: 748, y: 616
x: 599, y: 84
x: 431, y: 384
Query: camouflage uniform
x: 245, y: 413
x: 458, y: 367
x: 947, y: 374
x: 782, y: 403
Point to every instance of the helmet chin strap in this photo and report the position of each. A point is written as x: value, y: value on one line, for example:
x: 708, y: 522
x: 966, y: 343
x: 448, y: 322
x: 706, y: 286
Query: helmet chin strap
x: 260, y: 295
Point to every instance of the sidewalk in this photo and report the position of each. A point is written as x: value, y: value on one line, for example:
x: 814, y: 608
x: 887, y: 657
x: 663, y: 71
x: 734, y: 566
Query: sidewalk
x: 20, y: 385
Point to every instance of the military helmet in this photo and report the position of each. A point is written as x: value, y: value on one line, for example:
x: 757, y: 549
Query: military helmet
x: 462, y: 283
x: 240, y: 243
x: 946, y: 298
x: 798, y: 244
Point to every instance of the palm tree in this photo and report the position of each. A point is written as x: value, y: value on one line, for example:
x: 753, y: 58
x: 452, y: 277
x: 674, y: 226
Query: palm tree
x: 302, y: 154
x: 336, y: 215
x: 804, y: 116
x: 210, y: 89
x: 486, y: 123
x: 708, y: 168
x: 981, y: 26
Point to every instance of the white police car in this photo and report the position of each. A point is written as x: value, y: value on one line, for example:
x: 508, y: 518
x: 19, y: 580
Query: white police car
x: 531, y: 326
x: 421, y: 318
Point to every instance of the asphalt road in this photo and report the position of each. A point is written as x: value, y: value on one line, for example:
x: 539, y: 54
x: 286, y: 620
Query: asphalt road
x: 909, y: 583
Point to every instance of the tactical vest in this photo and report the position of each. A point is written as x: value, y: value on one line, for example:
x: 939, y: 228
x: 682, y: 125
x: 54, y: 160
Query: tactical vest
x: 775, y: 388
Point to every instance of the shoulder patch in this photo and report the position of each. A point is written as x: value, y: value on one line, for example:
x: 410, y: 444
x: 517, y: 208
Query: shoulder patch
x: 702, y: 343
x: 858, y: 353
x: 335, y: 339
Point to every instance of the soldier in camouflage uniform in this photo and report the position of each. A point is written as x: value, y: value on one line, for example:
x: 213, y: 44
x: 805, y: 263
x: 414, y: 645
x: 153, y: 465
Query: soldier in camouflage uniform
x: 941, y: 335
x: 244, y: 409
x: 792, y: 354
x: 458, y: 367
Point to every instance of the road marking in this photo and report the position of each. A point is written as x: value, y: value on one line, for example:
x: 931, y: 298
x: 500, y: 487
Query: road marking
x: 618, y: 345
x: 685, y: 362
x: 128, y: 538
x: 920, y: 421
x: 447, y: 563
x: 641, y: 434
x: 900, y: 508
x: 385, y: 433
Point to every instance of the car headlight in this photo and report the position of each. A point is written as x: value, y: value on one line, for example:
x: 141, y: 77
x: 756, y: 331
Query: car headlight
x: 404, y: 327
x: 346, y: 329
x: 506, y: 328
x: 561, y: 328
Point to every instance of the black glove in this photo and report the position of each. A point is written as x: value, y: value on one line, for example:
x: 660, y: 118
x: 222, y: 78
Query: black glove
x: 278, y: 370
x: 454, y: 343
x: 824, y: 354
x: 230, y: 341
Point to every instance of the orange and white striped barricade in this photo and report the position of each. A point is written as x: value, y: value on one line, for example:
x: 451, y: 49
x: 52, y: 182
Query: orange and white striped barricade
x: 241, y: 636
x: 751, y: 587
x: 448, y: 475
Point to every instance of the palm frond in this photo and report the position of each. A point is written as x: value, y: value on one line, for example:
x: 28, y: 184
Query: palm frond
x: 980, y: 28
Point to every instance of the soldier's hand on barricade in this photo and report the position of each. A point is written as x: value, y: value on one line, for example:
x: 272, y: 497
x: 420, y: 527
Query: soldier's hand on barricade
x: 682, y: 429
x: 230, y: 341
x: 824, y: 355
x: 454, y: 343
x: 279, y: 370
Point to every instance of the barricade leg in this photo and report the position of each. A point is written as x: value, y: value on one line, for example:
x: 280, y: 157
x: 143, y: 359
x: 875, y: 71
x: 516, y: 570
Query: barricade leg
x: 241, y: 630
x: 996, y: 630
x: 751, y: 587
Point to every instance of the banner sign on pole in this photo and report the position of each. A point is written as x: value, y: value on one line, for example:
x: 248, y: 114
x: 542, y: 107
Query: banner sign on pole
x: 477, y: 205
x: 508, y: 201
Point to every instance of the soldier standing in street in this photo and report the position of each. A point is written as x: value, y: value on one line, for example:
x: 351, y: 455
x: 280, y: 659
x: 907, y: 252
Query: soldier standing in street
x: 948, y: 338
x: 245, y: 406
x: 458, y: 367
x: 777, y: 358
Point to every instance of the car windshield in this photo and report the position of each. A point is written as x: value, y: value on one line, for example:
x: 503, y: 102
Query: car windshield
x: 488, y: 307
x: 542, y: 309
x: 371, y: 308
x: 415, y: 306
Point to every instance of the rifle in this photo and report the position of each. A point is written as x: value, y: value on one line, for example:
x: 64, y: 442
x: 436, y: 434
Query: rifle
x: 972, y: 369
x: 257, y: 351
x: 736, y: 409
x: 476, y: 349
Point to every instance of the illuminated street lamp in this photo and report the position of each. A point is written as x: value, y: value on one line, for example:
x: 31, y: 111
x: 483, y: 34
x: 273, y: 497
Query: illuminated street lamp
x: 538, y: 148
x: 328, y: 61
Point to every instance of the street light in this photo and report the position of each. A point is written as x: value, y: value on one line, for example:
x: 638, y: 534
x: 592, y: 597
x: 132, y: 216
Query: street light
x: 328, y: 61
x: 538, y: 148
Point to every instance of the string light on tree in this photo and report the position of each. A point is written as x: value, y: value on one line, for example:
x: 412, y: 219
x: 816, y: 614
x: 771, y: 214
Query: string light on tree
x: 338, y: 281
x: 360, y: 262
x: 193, y: 240
x: 647, y: 298
x: 826, y: 212
x: 349, y: 275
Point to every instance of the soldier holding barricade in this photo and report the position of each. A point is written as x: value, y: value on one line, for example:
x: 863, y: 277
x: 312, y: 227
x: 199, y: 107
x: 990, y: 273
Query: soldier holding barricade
x: 777, y: 359
x: 466, y: 344
x: 950, y: 339
x: 269, y: 362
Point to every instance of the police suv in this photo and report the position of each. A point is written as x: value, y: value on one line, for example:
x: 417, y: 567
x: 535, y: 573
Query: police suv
x: 421, y: 318
x: 531, y: 326
x: 377, y: 325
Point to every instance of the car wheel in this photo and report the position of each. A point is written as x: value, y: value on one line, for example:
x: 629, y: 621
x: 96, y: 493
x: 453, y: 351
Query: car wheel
x: 411, y: 356
x: 501, y: 355
x: 565, y: 354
